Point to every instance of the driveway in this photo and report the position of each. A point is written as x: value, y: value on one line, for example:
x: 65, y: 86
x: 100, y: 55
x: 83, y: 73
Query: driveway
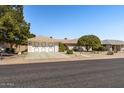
x: 77, y: 74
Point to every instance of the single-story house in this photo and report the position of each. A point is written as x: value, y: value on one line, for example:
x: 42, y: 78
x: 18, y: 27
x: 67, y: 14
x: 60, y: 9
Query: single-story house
x: 113, y: 45
x: 71, y: 43
x: 49, y: 44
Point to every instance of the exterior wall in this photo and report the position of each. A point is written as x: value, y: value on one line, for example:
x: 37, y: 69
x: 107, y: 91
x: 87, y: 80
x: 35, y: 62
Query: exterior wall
x: 71, y: 47
x: 30, y: 49
x: 84, y: 48
x: 46, y: 48
x: 114, y: 47
x: 17, y: 48
x: 4, y: 45
x: 56, y: 48
x: 108, y: 47
x: 122, y: 47
x: 22, y: 48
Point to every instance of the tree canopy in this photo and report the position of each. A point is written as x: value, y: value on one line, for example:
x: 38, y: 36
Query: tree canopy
x: 89, y: 41
x: 13, y: 27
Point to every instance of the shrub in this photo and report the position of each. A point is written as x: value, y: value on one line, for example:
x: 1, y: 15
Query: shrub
x: 110, y: 53
x: 61, y: 47
x: 69, y: 51
x: 66, y: 47
x: 99, y: 48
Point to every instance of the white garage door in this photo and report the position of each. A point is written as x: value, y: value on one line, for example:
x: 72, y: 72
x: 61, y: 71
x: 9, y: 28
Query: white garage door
x: 36, y: 49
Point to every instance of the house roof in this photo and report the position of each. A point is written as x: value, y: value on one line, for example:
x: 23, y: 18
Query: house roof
x: 51, y: 40
x: 113, y: 42
x: 68, y: 41
x: 42, y: 39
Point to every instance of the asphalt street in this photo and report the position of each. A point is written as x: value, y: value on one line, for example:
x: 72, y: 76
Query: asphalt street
x: 106, y: 73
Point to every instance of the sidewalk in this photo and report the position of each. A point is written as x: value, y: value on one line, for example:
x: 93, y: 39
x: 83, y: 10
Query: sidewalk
x: 22, y: 60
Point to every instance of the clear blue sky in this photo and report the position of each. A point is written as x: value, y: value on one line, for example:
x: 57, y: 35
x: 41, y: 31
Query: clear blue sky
x: 107, y: 22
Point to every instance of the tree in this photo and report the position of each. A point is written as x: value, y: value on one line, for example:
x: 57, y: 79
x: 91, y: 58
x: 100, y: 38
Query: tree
x: 13, y: 27
x: 10, y: 25
x: 89, y: 41
x: 31, y: 35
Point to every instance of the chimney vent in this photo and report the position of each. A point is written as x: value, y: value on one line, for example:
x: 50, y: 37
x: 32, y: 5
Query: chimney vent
x: 51, y: 37
x: 65, y: 38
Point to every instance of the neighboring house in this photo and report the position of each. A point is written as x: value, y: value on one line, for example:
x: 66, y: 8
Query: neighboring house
x: 49, y: 44
x: 71, y: 43
x: 113, y: 45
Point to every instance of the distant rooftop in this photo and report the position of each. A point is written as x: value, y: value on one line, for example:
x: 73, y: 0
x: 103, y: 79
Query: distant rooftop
x: 113, y: 42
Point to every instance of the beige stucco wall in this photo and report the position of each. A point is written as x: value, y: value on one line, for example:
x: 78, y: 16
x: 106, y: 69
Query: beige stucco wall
x: 22, y: 48
x: 70, y: 47
x: 83, y: 47
x: 17, y: 49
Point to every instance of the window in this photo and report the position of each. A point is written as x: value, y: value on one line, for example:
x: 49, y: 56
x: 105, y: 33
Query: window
x: 50, y: 44
x: 43, y: 44
x: 36, y: 44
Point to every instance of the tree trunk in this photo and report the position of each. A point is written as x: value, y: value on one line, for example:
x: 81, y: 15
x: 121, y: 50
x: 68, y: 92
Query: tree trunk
x: 87, y: 48
x: 11, y: 45
x: 19, y: 48
x: 19, y: 52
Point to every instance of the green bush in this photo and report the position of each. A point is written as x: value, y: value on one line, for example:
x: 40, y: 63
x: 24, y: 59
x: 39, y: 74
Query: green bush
x: 66, y: 47
x: 99, y: 48
x: 61, y: 47
x: 69, y: 51
x: 110, y: 53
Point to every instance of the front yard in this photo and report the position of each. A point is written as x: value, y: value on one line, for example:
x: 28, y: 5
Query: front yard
x: 24, y: 58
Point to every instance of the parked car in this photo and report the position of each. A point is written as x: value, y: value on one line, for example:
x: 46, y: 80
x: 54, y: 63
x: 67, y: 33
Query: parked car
x: 1, y: 49
x: 4, y: 53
